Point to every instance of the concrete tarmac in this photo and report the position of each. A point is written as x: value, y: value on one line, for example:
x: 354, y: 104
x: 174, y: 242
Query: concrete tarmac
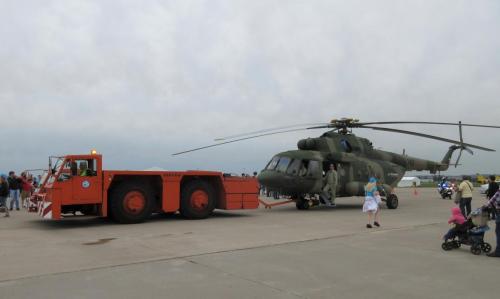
x: 278, y: 253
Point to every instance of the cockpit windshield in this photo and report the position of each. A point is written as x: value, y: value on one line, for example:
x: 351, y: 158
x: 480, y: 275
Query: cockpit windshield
x: 283, y: 164
x: 294, y: 167
x: 272, y: 164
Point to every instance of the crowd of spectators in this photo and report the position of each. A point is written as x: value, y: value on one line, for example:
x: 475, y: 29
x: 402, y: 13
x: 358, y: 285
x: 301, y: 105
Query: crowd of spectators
x: 16, y: 190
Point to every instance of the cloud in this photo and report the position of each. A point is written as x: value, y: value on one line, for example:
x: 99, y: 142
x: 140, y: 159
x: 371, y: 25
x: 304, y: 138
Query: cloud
x: 140, y: 81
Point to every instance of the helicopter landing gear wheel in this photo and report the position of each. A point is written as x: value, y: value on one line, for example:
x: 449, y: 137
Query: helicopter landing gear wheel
x: 392, y: 201
x: 302, y: 203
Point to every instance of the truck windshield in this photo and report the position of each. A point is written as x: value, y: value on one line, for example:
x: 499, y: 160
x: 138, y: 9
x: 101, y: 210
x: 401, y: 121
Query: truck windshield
x: 56, y: 169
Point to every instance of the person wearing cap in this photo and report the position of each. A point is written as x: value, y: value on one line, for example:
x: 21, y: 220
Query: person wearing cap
x: 4, y: 193
x: 372, y: 200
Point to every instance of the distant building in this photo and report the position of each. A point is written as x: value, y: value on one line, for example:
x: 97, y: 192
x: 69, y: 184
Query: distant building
x: 408, y: 181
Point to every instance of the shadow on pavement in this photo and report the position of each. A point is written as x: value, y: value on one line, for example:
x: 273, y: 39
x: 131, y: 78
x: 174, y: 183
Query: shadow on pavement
x: 78, y: 221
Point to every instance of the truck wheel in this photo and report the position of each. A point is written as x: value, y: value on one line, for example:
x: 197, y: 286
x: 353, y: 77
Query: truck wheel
x: 131, y: 203
x: 392, y: 201
x: 197, y: 200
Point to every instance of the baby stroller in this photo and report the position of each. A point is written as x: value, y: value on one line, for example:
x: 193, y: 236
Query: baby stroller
x: 471, y: 233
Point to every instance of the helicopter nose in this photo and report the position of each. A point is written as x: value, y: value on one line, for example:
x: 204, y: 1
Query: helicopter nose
x: 270, y: 179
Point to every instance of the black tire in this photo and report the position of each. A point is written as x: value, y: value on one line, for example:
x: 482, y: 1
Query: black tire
x: 456, y: 244
x: 392, y: 201
x: 301, y: 203
x: 197, y: 200
x: 131, y: 203
x: 486, y: 247
x: 475, y: 249
x: 446, y: 246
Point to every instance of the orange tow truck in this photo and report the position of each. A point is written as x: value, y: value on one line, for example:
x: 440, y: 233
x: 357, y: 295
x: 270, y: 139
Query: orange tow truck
x: 77, y: 183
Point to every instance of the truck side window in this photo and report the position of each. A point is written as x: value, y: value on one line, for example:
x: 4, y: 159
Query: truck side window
x: 85, y: 167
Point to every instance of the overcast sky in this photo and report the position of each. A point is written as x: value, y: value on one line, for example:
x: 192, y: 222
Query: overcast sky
x: 140, y: 80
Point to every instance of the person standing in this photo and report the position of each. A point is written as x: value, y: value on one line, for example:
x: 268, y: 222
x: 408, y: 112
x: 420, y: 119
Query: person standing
x: 465, y: 188
x: 495, y: 203
x: 330, y: 184
x: 492, y: 187
x: 14, y: 187
x: 4, y: 193
x: 372, y: 200
x: 26, y: 188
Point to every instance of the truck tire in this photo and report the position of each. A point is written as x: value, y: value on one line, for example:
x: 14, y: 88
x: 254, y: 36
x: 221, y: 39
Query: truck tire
x: 197, y: 200
x: 131, y: 203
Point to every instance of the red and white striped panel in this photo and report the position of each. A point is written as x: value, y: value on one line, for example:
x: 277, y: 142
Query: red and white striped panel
x: 45, y: 209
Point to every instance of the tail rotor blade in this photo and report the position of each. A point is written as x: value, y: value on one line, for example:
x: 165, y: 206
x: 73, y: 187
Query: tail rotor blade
x: 458, y: 158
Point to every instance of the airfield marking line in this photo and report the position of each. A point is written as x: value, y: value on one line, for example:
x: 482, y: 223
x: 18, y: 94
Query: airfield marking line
x: 244, y: 278
x: 186, y: 257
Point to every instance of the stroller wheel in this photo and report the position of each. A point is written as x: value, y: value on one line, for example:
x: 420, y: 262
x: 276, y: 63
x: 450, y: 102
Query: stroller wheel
x: 486, y: 247
x: 475, y: 249
x: 446, y: 246
x: 456, y: 244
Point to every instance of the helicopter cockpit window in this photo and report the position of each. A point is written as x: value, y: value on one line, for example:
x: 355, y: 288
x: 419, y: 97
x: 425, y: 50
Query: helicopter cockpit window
x: 283, y: 164
x: 346, y: 145
x: 294, y: 167
x: 272, y: 164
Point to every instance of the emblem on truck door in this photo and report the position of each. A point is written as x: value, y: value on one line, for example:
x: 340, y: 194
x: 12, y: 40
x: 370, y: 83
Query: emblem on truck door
x: 85, y: 184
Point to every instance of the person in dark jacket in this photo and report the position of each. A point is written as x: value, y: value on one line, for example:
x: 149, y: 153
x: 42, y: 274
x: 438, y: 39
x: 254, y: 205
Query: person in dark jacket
x: 492, y: 187
x: 4, y: 193
x: 14, y: 187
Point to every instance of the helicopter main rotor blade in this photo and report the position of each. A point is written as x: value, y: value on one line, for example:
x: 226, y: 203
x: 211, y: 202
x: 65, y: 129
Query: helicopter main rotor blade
x: 239, y: 139
x: 429, y: 136
x: 269, y: 130
x: 424, y: 123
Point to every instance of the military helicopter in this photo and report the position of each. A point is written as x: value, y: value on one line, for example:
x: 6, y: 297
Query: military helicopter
x: 299, y: 173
